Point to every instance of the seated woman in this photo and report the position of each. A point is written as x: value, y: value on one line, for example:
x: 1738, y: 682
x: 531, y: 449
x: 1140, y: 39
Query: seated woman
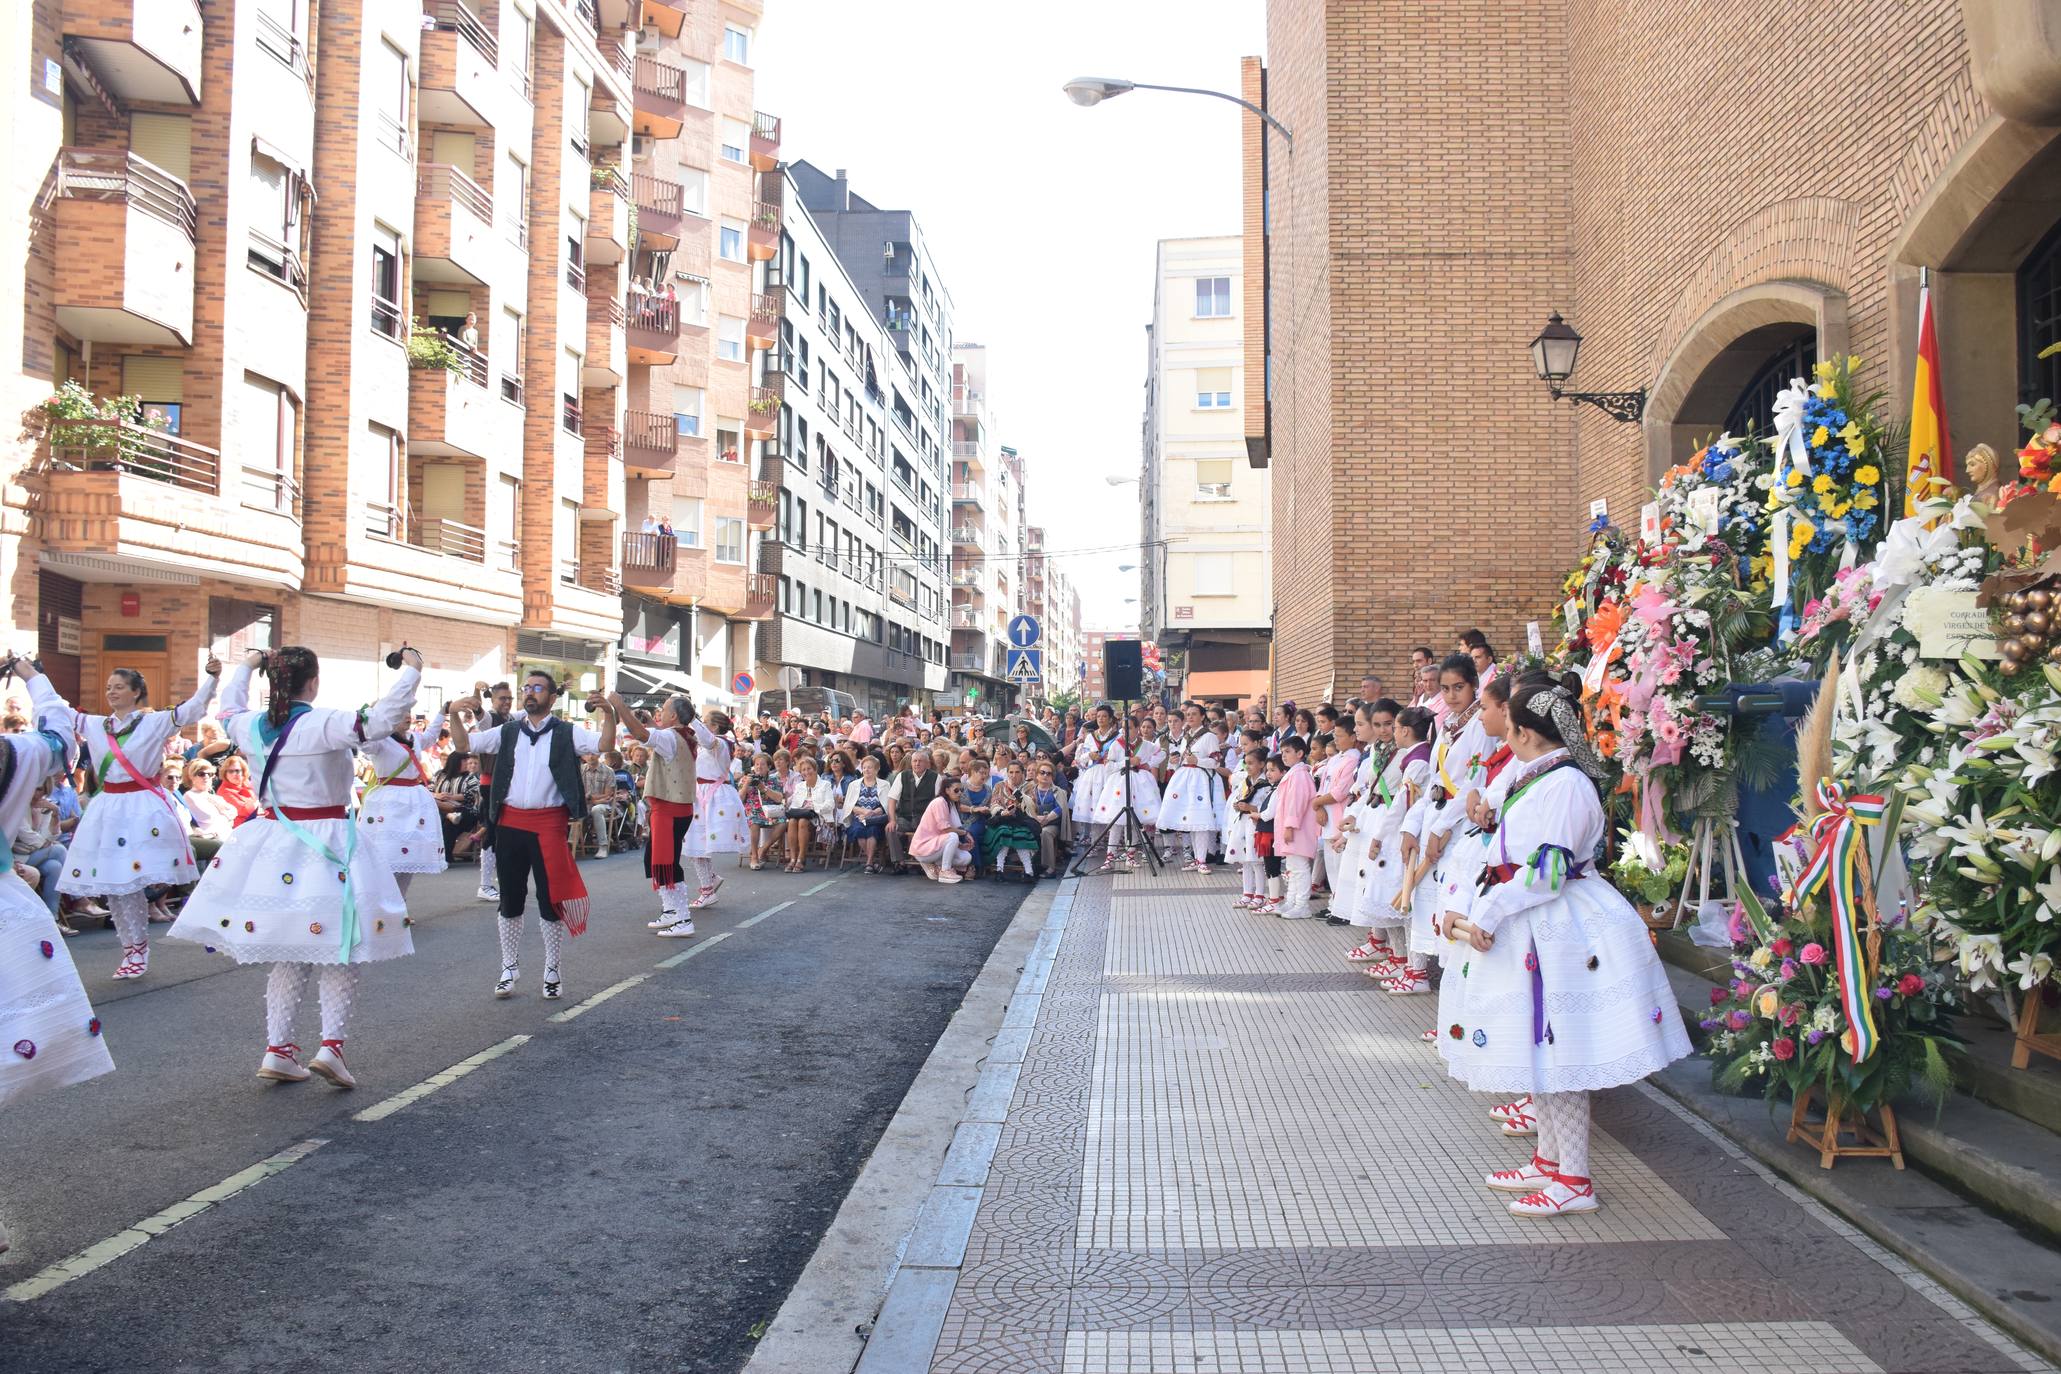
x: 765, y: 808
x: 809, y: 799
x: 865, y: 811
x: 976, y: 791
x: 233, y: 786
x: 457, y: 797
x: 941, y: 845
x: 1012, y: 826
x: 211, y: 818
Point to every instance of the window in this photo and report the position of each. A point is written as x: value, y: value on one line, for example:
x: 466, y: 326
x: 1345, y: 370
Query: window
x: 803, y: 294
x: 163, y: 139
x: 729, y: 439
x: 693, y: 294
x: 697, y: 80
x: 694, y: 191
x: 274, y: 228
x: 388, y: 85
x: 687, y: 521
x: 737, y: 45
x: 730, y: 241
x: 730, y: 540
x: 577, y: 101
x: 1756, y: 402
x: 736, y: 138
x: 1212, y: 297
x: 387, y: 514
x: 266, y: 435
x: 504, y: 519
x: 730, y: 338
x: 159, y: 386
x: 816, y: 605
x: 1213, y: 479
x: 386, y: 282
x: 523, y: 49
x: 565, y: 532
x: 687, y: 401
x: 1213, y: 575
x: 1213, y: 388
x: 569, y: 384
x: 505, y: 345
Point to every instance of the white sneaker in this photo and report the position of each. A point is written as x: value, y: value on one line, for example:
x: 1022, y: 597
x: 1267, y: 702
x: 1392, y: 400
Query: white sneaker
x: 678, y: 930
x: 1303, y: 915
x: 666, y: 916
x: 489, y: 894
x: 280, y: 1065
x: 505, y: 988
x: 329, y: 1062
x: 601, y: 852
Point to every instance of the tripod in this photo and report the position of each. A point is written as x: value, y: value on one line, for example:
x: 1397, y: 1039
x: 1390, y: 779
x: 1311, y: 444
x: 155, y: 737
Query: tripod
x: 1128, y: 817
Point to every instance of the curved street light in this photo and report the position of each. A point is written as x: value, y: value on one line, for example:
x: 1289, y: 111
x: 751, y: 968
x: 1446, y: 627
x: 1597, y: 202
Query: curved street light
x: 1093, y: 90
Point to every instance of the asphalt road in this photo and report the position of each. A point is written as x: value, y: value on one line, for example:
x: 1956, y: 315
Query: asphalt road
x: 635, y: 1189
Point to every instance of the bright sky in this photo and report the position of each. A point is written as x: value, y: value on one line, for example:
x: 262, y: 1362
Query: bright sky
x: 1041, y: 216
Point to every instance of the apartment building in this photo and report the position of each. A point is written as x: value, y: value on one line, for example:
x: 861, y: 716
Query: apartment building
x: 393, y: 423
x: 1207, y: 597
x: 1049, y: 595
x: 704, y: 184
x: 856, y: 552
x: 984, y: 513
x: 1095, y: 685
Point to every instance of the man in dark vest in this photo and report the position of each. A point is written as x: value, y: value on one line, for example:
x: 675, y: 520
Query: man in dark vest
x: 503, y: 699
x: 534, y: 796
x: 908, y: 797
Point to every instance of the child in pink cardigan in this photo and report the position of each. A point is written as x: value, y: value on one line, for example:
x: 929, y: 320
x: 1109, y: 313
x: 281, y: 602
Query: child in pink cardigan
x: 1296, y: 829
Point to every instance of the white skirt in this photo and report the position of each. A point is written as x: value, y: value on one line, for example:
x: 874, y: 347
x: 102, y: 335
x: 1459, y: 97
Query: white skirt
x: 1241, y: 840
x: 719, y: 826
x: 1379, y: 879
x: 1087, y: 791
x: 268, y: 898
x: 125, y: 842
x: 1192, y: 801
x: 1144, y: 797
x: 403, y: 827
x: 43, y: 1007
x: 1601, y: 1014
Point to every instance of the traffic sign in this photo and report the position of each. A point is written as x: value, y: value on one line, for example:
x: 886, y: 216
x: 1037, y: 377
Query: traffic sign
x: 1025, y: 665
x: 742, y: 684
x: 1023, y: 630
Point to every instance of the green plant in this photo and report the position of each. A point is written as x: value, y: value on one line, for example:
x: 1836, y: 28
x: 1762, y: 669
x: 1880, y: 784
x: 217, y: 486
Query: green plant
x: 1636, y: 876
x: 76, y: 420
x: 428, y: 348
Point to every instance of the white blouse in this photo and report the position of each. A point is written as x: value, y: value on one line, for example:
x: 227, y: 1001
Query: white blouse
x: 314, y: 764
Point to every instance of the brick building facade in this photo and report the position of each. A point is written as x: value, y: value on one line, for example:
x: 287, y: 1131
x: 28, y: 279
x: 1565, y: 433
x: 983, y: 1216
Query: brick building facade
x: 1711, y: 195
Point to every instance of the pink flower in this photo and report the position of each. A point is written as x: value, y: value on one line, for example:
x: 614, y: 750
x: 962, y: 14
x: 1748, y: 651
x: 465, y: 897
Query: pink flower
x: 1813, y: 953
x: 1789, y: 1013
x: 1784, y: 1049
x: 1811, y: 608
x: 1718, y: 995
x: 1738, y: 1020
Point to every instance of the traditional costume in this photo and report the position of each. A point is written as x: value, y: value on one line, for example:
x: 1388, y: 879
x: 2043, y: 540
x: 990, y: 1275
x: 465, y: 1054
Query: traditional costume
x: 1143, y: 798
x: 1297, y: 837
x: 718, y: 826
x: 1571, y: 998
x: 1241, y: 840
x: 1467, y: 853
x: 669, y: 788
x: 1403, y: 783
x: 131, y: 836
x: 1091, y: 760
x: 1432, y: 821
x: 1194, y: 796
x: 1335, y: 784
x: 1353, y: 828
x: 537, y: 791
x: 293, y: 887
x: 398, y: 817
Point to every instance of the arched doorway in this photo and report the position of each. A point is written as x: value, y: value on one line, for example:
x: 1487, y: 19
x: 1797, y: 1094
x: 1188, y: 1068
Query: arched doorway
x: 1755, y: 402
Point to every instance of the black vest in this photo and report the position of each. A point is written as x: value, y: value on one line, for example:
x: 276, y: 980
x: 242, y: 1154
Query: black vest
x: 565, y: 768
x: 916, y: 797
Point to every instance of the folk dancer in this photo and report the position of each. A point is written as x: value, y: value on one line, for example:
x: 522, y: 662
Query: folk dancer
x: 1403, y: 783
x: 293, y: 887
x: 718, y: 826
x: 397, y: 816
x: 535, y: 795
x: 133, y: 835
x: 669, y: 788
x: 1194, y: 794
x: 1433, y: 820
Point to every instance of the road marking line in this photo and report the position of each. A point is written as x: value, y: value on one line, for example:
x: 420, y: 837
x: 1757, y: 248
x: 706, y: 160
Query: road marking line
x: 754, y: 920
x: 812, y: 891
x: 688, y: 953
x: 121, y: 1243
x: 379, y: 1111
x: 598, y: 998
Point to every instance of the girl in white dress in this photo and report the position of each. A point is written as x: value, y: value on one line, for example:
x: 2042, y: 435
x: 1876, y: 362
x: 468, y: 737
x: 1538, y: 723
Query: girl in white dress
x: 1194, y: 795
x: 1241, y: 832
x: 1374, y: 727
x: 719, y: 826
x: 49, y: 1036
x: 398, y: 817
x: 1139, y: 759
x: 1566, y: 995
x: 1091, y: 759
x: 1403, y: 783
x: 1433, y: 820
x: 293, y: 888
x: 131, y: 835
x: 1482, y: 791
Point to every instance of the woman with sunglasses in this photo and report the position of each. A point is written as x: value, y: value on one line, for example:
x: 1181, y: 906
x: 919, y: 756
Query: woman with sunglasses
x: 941, y: 844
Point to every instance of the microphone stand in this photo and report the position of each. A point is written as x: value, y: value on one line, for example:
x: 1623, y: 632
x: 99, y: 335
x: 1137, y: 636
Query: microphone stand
x: 1128, y: 817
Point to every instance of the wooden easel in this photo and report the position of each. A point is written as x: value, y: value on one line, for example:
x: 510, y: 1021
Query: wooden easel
x: 2030, y: 1041
x: 1871, y: 1141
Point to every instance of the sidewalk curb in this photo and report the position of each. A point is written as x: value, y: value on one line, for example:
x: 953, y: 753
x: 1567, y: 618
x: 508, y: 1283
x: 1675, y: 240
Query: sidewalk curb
x: 891, y: 1256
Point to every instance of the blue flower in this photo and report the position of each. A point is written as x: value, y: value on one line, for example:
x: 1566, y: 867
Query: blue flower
x: 1599, y: 524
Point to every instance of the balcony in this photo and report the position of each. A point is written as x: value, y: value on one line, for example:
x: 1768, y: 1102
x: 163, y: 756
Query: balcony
x: 762, y: 412
x: 762, y: 505
x: 968, y: 493
x: 763, y: 239
x: 451, y: 412
x: 760, y: 591
x: 765, y: 142
x: 966, y: 536
x: 608, y: 216
x: 966, y: 618
x: 604, y: 442
x: 762, y: 328
x: 668, y: 19
x: 970, y: 580
x: 661, y: 95
x: 119, y: 495
x: 140, y: 220
x: 649, y: 561
x: 146, y: 50
x: 608, y: 119
x: 455, y: 242
x: 604, y: 366
x: 970, y: 663
x: 658, y: 211
x: 460, y: 82
x: 434, y: 534
x: 654, y: 328
x: 651, y: 443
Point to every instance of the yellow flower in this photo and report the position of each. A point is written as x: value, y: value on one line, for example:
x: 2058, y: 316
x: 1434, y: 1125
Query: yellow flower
x: 1795, y: 477
x: 1867, y: 475
x: 1823, y: 391
x: 1761, y: 957
x: 1827, y: 370
x: 1823, y: 483
x: 1866, y: 500
x: 1838, y: 508
x: 1820, y: 437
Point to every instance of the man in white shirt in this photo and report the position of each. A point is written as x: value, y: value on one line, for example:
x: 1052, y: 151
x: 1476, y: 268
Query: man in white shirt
x: 537, y: 791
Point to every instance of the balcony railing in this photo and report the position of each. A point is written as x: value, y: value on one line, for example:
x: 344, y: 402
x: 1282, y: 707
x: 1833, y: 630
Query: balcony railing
x: 965, y: 534
x: 650, y: 432
x: 569, y: 416
x: 655, y: 313
x: 285, y: 45
x: 760, y: 589
x: 661, y: 79
x: 436, y: 180
x: 969, y: 663
x: 451, y: 538
x: 127, y: 447
x: 452, y: 16
x: 656, y: 195
x: 609, y: 177
x: 111, y: 174
x: 649, y: 559
x: 765, y: 141
x: 763, y: 504
x: 967, y: 491
x: 576, y: 276
x: 619, y: 58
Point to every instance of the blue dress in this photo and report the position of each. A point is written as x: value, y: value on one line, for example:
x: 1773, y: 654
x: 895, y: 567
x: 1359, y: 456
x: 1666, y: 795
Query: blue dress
x: 869, y: 800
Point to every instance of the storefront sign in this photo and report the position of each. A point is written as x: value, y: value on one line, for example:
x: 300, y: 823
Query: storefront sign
x: 68, y: 635
x: 1949, y: 623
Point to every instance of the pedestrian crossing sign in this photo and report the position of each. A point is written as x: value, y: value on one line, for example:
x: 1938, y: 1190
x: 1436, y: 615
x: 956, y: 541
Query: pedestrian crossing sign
x: 1024, y: 665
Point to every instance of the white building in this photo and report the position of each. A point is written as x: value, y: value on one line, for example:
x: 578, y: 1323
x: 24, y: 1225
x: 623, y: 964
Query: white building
x: 1208, y: 595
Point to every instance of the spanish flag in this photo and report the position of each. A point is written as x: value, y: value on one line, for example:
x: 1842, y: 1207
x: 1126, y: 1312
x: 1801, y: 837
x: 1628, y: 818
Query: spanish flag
x: 1932, y: 451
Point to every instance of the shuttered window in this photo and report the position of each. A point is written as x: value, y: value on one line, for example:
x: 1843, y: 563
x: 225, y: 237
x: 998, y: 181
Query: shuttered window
x: 164, y: 139
x: 159, y: 386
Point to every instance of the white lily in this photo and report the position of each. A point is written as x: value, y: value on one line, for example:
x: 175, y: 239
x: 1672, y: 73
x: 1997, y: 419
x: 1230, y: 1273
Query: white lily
x: 2049, y: 890
x: 2032, y: 970
x: 1971, y: 838
x: 1981, y: 956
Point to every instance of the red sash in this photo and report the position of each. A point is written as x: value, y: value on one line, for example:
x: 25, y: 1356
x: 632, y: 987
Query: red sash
x: 305, y: 813
x: 550, y: 825
x: 668, y: 820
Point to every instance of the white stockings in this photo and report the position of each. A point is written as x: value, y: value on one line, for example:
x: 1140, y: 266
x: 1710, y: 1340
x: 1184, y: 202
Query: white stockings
x: 337, y: 986
x: 131, y: 912
x: 1564, y: 1133
x: 704, y: 872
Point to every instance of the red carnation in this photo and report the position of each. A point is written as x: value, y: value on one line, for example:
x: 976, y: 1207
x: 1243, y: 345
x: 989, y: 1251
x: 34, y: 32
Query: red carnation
x: 1783, y: 946
x: 1718, y: 995
x: 1783, y: 1049
x: 1910, y: 985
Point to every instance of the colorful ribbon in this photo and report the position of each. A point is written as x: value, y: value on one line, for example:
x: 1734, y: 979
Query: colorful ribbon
x: 1836, y: 858
x: 1549, y: 864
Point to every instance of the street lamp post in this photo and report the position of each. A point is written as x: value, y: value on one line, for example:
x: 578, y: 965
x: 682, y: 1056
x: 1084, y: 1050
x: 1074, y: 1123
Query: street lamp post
x: 1552, y: 356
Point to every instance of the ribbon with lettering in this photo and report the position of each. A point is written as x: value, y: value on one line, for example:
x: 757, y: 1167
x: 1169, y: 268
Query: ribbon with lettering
x: 1835, y: 862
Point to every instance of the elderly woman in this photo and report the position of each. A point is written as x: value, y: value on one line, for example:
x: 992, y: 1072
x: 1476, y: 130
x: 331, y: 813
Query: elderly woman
x: 810, y: 799
x: 941, y: 845
x: 212, y: 818
x: 864, y: 811
x: 976, y: 794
